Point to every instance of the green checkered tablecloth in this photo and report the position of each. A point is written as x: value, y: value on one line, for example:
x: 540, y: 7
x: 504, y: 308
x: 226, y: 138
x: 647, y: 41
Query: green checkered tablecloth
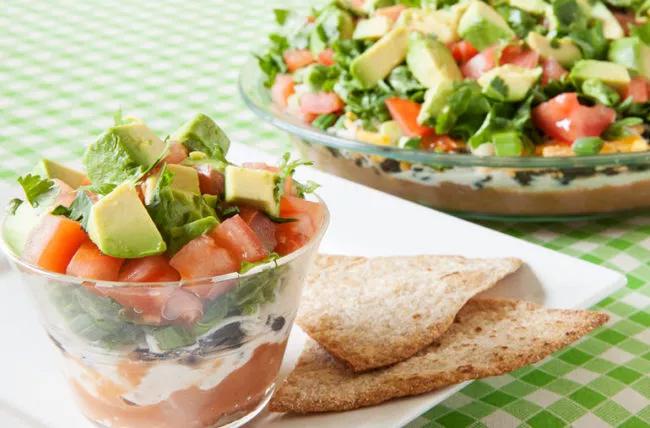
x: 67, y: 65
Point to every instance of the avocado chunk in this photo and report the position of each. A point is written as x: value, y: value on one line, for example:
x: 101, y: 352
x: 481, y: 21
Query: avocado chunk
x: 612, y: 30
x: 254, y: 187
x: 51, y: 169
x: 566, y: 53
x: 440, y: 23
x: 332, y: 24
x: 611, y: 74
x: 123, y: 152
x: 435, y: 99
x: 120, y: 225
x: 17, y: 226
x: 202, y: 134
x: 372, y: 28
x: 482, y: 26
x: 379, y: 59
x: 536, y: 7
x: 431, y: 61
x: 509, y: 82
x: 632, y: 53
x: 185, y: 178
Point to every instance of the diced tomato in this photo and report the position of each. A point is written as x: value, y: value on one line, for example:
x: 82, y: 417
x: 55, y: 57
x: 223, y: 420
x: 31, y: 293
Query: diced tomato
x: 480, y: 63
x: 309, y: 218
x: 211, y: 181
x: 201, y: 258
x: 292, y: 236
x: 148, y: 269
x: 155, y: 305
x: 552, y: 70
x: 405, y: 112
x: 53, y: 243
x: 391, y: 12
x: 239, y: 239
x: 462, y: 51
x: 516, y: 55
x: 263, y: 227
x: 326, y: 57
x: 638, y: 89
x: 564, y: 118
x: 177, y: 153
x: 625, y: 19
x: 282, y: 89
x: 298, y: 58
x: 90, y: 262
x: 320, y: 103
x: 288, y: 184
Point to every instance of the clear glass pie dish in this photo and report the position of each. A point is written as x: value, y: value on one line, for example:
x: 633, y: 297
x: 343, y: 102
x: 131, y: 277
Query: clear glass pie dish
x: 507, y: 188
x: 196, y: 353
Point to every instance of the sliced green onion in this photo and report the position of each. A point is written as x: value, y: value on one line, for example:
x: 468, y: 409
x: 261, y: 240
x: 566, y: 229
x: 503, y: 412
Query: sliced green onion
x: 586, y: 146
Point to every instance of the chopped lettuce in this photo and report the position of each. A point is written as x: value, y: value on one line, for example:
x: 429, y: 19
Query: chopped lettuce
x: 180, y: 216
x: 101, y: 320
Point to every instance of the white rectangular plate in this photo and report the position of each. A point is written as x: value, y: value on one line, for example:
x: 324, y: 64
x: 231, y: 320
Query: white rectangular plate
x: 364, y: 222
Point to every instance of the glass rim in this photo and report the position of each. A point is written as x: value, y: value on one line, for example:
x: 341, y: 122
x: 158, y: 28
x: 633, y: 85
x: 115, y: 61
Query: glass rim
x: 256, y: 97
x: 14, y: 258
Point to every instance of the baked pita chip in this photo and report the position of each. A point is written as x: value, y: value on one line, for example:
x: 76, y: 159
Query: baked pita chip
x: 374, y: 312
x: 489, y: 337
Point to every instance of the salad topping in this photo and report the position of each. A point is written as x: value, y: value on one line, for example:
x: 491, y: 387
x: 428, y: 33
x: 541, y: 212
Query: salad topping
x: 199, y: 351
x: 495, y: 78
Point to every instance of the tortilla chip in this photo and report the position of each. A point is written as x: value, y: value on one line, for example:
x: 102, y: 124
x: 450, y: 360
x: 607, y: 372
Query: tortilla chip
x: 374, y: 312
x: 489, y: 337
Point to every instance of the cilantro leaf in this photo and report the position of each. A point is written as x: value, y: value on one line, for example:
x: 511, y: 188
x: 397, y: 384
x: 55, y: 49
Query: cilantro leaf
x: 38, y: 190
x: 306, y: 188
x: 286, y: 169
x: 79, y: 209
x: 13, y: 205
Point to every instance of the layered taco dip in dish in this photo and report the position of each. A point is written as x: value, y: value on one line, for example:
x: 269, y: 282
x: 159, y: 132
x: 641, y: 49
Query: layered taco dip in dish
x: 499, y: 108
x: 168, y: 277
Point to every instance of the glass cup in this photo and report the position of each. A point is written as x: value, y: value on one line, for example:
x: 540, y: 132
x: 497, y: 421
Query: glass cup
x: 191, y: 354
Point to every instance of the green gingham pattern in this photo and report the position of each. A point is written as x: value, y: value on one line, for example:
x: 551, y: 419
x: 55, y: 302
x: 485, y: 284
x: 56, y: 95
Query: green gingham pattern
x: 66, y: 66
